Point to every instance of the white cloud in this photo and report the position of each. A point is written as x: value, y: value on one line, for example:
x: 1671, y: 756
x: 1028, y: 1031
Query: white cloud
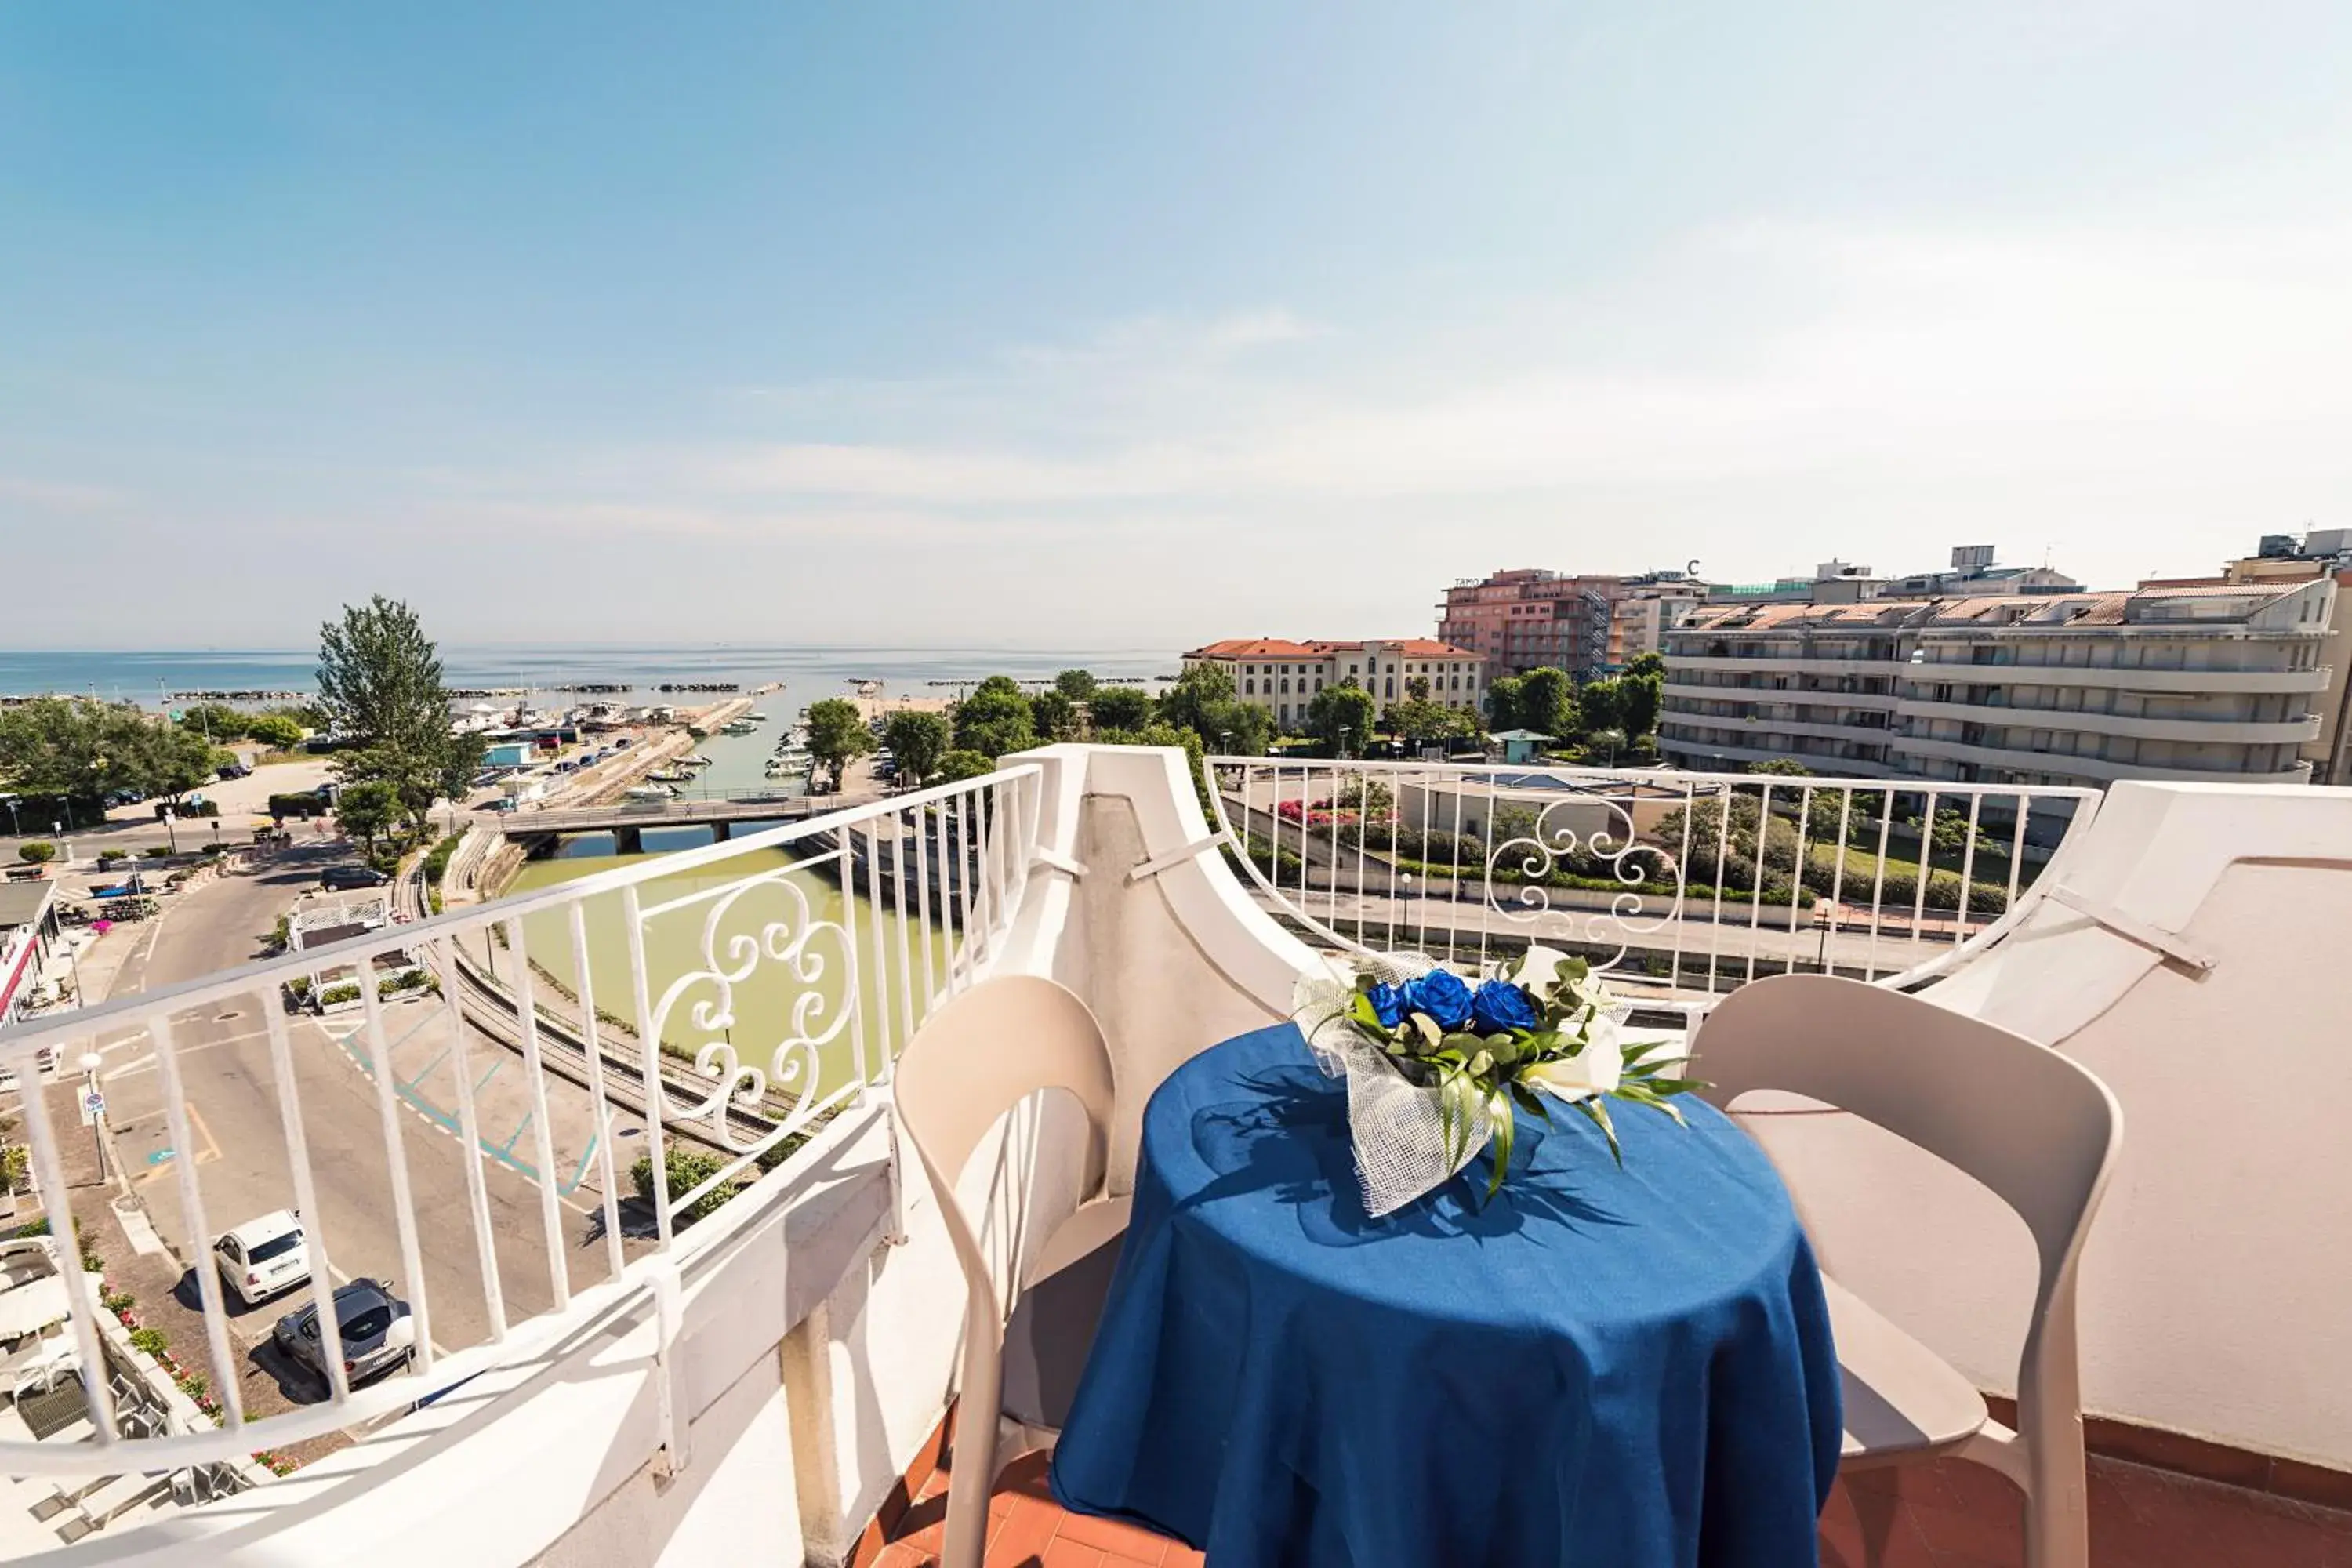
x: 2188, y: 381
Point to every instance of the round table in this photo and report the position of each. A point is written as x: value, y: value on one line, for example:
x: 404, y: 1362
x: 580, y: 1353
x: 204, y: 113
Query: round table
x: 1622, y: 1367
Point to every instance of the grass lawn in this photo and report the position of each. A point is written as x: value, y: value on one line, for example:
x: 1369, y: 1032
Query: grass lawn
x: 1992, y: 866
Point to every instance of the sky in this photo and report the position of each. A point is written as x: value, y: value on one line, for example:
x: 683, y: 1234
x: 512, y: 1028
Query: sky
x: 1127, y: 326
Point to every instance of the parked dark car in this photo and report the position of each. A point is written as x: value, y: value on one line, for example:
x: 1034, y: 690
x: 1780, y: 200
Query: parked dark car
x: 377, y: 1332
x: 335, y: 878
x: 233, y: 770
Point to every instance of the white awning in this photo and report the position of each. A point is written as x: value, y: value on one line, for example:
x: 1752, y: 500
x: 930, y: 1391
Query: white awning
x: 32, y: 1307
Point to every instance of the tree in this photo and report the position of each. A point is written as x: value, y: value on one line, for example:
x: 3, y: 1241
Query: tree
x: 1611, y: 739
x: 1782, y: 767
x: 1202, y: 701
x: 380, y: 686
x: 1503, y: 703
x: 72, y: 748
x: 1119, y: 707
x: 170, y: 761
x: 369, y: 809
x: 275, y: 730
x: 215, y: 721
x: 1602, y: 704
x: 1640, y: 698
x: 957, y: 766
x: 1647, y: 664
x: 1054, y: 716
x: 837, y: 735
x: 1547, y: 702
x: 1077, y: 685
x: 918, y: 740
x: 1420, y: 720
x: 995, y: 719
x: 1341, y: 716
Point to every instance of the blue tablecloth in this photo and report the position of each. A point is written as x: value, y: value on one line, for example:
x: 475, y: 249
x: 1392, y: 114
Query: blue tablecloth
x: 1630, y: 1369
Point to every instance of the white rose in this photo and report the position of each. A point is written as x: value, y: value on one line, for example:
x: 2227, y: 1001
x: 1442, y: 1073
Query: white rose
x: 1595, y: 1069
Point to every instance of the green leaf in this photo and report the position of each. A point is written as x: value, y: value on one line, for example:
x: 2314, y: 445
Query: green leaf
x: 1426, y: 1028
x: 1594, y: 1112
x: 1481, y: 1065
x: 1498, y: 1111
x: 1359, y: 1008
x: 1529, y: 1100
x: 1674, y: 1085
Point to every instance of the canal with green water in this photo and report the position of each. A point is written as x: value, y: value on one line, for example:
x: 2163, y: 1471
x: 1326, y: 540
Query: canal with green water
x: 766, y: 1001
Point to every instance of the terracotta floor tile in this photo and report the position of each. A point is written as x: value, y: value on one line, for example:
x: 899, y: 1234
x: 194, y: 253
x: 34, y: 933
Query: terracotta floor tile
x: 1995, y: 1535
x: 1113, y: 1536
x: 1021, y: 1539
x: 1945, y: 1515
x: 1870, y: 1529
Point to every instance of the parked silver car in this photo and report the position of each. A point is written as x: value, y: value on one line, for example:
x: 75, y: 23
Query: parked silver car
x: 377, y: 1332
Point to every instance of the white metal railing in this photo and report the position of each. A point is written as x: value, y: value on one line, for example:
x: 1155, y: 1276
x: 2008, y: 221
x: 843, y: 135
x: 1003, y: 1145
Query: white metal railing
x: 1685, y: 885
x: 865, y: 917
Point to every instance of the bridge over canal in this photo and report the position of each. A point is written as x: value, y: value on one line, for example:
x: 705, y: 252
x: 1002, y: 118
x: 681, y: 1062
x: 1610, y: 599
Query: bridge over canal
x: 627, y: 820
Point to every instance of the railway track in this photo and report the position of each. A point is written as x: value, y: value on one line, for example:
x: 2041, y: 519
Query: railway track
x: 492, y: 1010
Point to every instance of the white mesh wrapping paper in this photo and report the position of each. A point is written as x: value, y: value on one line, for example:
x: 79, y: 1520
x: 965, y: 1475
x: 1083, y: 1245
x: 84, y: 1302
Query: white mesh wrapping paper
x: 1398, y: 1132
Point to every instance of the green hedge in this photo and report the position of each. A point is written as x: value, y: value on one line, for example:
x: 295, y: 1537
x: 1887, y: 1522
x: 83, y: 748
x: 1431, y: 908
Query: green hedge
x: 688, y: 1169
x: 437, y: 859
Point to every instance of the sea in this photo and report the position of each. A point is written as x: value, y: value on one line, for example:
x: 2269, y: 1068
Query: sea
x: 161, y: 678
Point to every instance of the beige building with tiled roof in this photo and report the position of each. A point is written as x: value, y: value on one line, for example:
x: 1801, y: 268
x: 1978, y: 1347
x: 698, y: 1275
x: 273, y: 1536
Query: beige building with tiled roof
x: 2218, y: 682
x: 1283, y: 677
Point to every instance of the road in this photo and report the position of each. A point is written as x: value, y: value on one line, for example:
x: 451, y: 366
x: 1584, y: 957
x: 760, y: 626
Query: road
x: 1415, y: 922
x: 240, y: 1148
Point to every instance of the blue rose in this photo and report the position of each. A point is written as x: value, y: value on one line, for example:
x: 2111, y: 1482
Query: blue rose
x: 1440, y: 994
x: 1497, y: 1007
x: 1388, y: 1006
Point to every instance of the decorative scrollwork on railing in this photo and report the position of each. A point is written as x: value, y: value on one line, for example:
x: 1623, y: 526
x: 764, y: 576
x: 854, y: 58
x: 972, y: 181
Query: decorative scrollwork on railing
x: 1594, y: 837
x: 816, y: 955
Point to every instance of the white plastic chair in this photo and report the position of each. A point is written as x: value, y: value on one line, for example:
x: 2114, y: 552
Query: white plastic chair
x: 973, y: 1062
x: 2030, y: 1124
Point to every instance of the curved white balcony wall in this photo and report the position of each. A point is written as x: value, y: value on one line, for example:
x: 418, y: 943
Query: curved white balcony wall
x: 2212, y: 1293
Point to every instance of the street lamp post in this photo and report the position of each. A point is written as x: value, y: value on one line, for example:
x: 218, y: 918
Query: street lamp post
x: 91, y: 1063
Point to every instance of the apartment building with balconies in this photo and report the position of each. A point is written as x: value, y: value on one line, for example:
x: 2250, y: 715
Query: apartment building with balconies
x: 2283, y: 558
x: 1283, y: 677
x: 2215, y: 682
x: 1589, y: 623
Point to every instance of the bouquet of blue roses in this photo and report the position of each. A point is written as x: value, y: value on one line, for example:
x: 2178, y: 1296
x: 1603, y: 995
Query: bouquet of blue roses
x: 1436, y: 1068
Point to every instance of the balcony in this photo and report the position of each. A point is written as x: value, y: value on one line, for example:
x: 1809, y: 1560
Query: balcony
x: 1787, y: 664
x: 2122, y: 677
x: 2235, y: 731
x: 2083, y: 767
x: 758, y: 1365
x: 1696, y: 692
